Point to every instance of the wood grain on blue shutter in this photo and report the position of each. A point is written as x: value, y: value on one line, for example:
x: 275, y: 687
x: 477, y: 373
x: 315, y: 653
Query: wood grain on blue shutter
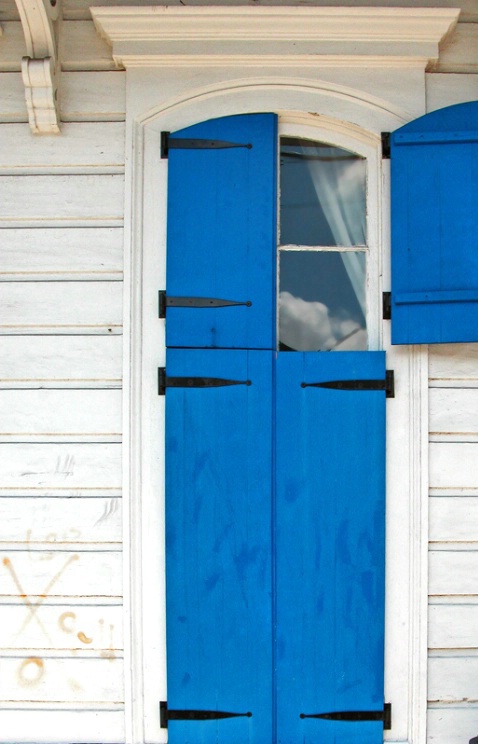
x: 330, y: 523
x: 434, y: 227
x: 218, y: 512
x: 222, y: 234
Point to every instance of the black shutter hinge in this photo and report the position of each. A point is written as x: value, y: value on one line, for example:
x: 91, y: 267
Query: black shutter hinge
x: 386, y: 145
x: 196, y: 302
x: 387, y: 384
x: 164, y: 381
x: 387, y: 305
x: 179, y: 143
x: 384, y: 715
x: 166, y: 715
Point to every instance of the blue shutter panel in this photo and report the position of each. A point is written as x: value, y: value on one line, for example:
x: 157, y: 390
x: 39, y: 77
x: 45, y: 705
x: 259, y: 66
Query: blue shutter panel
x: 218, y: 546
x: 330, y: 547
x: 221, y: 234
x: 434, y: 163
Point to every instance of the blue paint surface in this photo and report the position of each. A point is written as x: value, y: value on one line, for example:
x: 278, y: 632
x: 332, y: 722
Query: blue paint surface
x: 434, y: 165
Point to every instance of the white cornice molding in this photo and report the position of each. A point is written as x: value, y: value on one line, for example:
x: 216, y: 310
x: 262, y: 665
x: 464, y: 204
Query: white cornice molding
x: 40, y: 66
x: 276, y: 36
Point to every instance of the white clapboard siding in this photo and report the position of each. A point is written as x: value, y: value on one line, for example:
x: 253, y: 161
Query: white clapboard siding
x: 453, y: 467
x: 446, y: 90
x: 453, y: 518
x: 452, y: 724
x: 56, y: 725
x: 459, y: 52
x: 60, y: 415
x: 61, y: 307
x: 55, y: 200
x: 60, y: 361
x: 12, y: 46
x: 32, y: 254
x: 452, y: 677
x: 61, y: 680
x: 453, y: 414
x: 92, y: 96
x: 58, y: 574
x: 80, y: 8
x: 453, y: 572
x: 73, y: 469
x: 453, y: 626
x: 91, y: 630
x: 82, y: 148
x: 51, y: 523
x: 454, y: 365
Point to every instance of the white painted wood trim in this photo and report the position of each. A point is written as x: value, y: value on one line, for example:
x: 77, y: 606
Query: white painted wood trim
x: 148, y: 35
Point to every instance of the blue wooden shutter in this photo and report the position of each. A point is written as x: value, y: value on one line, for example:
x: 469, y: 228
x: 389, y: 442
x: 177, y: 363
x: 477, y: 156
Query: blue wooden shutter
x: 330, y: 547
x: 434, y: 162
x: 218, y: 546
x: 221, y: 234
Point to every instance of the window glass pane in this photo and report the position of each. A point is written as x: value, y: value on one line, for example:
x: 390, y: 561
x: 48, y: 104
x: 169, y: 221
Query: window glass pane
x: 322, y: 301
x: 322, y: 194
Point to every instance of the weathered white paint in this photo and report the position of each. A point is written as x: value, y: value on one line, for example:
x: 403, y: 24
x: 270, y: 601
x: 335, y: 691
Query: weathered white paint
x: 453, y: 570
x: 453, y: 465
x: 453, y: 362
x: 60, y: 361
x: 101, y: 725
x: 84, y: 630
x: 58, y: 574
x: 61, y: 522
x: 453, y: 625
x: 68, y: 469
x: 453, y: 677
x: 459, y: 53
x: 454, y: 414
x: 82, y: 148
x: 60, y: 415
x: 60, y: 307
x: 452, y: 723
x: 454, y: 518
x: 61, y: 253
x: 448, y: 89
x: 47, y: 201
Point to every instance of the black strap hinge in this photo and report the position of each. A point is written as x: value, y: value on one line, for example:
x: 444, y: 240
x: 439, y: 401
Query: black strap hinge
x: 386, y: 145
x: 388, y: 384
x: 179, y: 143
x: 196, y: 302
x: 384, y: 715
x: 164, y: 381
x: 166, y: 715
x: 387, y: 305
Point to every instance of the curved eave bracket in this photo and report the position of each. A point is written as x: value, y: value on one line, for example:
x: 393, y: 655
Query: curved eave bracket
x: 273, y: 36
x: 40, y: 67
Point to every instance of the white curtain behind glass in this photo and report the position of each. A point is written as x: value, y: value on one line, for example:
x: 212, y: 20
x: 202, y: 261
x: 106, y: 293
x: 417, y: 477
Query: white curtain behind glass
x: 339, y: 182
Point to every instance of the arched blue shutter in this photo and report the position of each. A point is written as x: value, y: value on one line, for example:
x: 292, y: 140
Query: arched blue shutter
x: 434, y: 165
x: 221, y: 233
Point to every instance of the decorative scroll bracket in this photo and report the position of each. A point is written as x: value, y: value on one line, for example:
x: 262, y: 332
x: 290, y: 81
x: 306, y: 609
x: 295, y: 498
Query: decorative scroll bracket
x: 40, y: 67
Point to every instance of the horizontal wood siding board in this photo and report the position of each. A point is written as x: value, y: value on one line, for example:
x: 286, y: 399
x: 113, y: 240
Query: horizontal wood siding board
x: 101, y: 725
x: 88, y: 631
x: 86, y: 470
x: 453, y: 361
x: 61, y: 307
x: 450, y: 724
x: 85, y: 96
x: 453, y: 572
x: 453, y: 411
x: 60, y: 361
x: 452, y: 626
x: 453, y: 464
x: 79, y: 9
x: 453, y: 518
x: 45, y: 523
x: 71, y: 680
x: 70, y: 415
x: 58, y: 574
x: 74, y: 253
x: 446, y: 90
x: 453, y: 678
x: 82, y: 148
x: 56, y: 200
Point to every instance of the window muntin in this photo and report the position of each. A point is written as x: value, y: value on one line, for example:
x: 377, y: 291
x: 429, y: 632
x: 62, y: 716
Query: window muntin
x: 322, y: 215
